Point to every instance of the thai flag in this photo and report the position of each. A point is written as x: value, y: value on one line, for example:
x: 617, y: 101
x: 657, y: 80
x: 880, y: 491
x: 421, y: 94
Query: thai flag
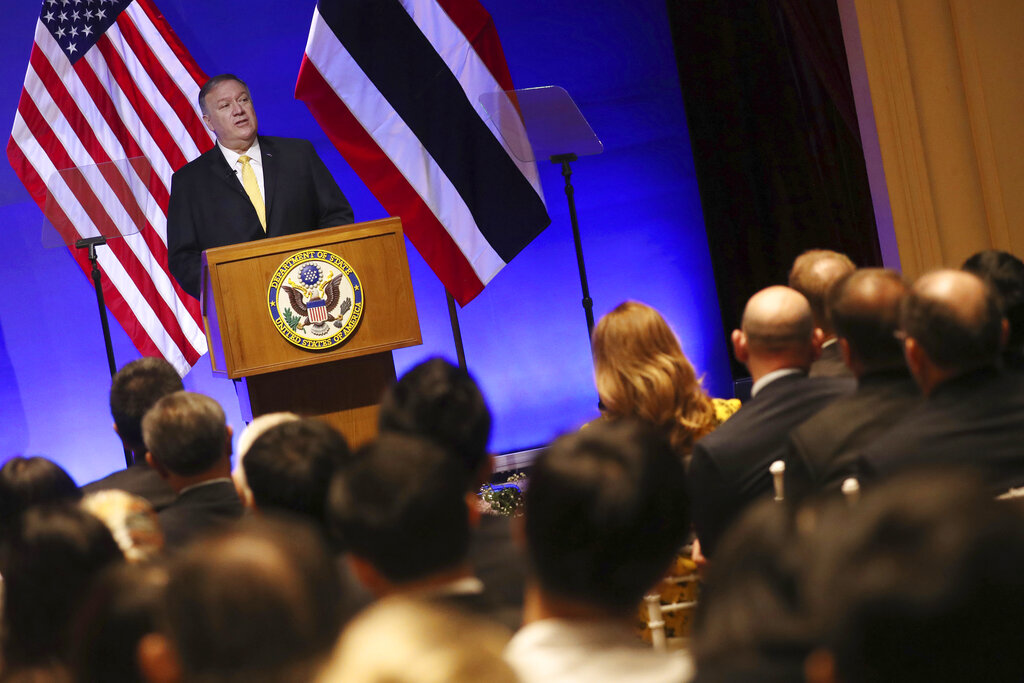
x: 396, y: 84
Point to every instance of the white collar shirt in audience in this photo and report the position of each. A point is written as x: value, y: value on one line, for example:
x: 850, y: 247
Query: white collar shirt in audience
x: 771, y: 377
x: 565, y: 651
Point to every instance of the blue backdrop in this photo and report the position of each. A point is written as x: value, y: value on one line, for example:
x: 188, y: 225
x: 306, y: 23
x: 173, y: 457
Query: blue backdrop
x: 525, y: 335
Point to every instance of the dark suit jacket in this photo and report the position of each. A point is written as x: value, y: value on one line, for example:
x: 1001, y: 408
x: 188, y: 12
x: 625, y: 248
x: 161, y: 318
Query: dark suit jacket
x: 209, y: 207
x: 823, y: 451
x: 830, y: 364
x: 498, y: 561
x: 976, y: 420
x: 729, y: 469
x: 141, y: 480
x: 198, y: 511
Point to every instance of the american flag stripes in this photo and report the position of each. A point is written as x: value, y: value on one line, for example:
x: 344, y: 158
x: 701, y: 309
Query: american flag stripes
x: 108, y: 80
x: 395, y: 85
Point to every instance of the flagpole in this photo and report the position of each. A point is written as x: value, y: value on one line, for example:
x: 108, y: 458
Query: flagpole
x: 456, y: 330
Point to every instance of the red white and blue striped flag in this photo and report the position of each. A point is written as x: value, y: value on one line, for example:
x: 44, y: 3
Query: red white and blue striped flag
x: 395, y: 84
x: 108, y: 80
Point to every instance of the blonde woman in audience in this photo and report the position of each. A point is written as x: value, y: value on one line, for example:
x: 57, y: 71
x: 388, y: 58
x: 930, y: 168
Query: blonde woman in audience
x: 131, y: 520
x: 401, y: 640
x: 641, y: 372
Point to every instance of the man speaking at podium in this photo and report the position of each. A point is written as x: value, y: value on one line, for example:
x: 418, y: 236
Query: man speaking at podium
x: 247, y: 187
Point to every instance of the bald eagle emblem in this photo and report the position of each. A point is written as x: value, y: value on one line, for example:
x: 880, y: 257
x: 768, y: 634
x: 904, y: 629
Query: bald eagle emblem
x: 315, y: 299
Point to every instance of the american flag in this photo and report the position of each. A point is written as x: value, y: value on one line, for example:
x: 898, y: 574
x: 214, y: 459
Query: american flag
x: 396, y: 84
x: 109, y: 81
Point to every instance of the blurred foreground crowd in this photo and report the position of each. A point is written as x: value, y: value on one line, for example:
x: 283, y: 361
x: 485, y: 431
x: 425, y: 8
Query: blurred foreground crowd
x: 855, y: 518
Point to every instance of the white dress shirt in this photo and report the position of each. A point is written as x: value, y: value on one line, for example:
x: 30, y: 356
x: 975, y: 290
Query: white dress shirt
x: 255, y: 160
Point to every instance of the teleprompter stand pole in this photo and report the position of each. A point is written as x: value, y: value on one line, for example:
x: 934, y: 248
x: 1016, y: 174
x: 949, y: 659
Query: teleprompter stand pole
x: 91, y: 243
x: 456, y: 330
x: 588, y: 303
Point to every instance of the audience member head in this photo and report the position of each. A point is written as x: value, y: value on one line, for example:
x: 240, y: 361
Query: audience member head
x: 605, y: 513
x: 865, y: 309
x: 752, y: 616
x: 400, y: 509
x: 25, y: 482
x: 1005, y: 273
x: 134, y: 390
x: 261, y: 602
x: 400, y: 640
x: 641, y: 372
x: 187, y: 437
x: 442, y: 402
x: 921, y: 581
x: 952, y: 324
x: 813, y: 274
x: 132, y: 521
x: 253, y: 431
x: 289, y: 467
x: 777, y: 332
x: 121, y: 609
x: 54, y: 553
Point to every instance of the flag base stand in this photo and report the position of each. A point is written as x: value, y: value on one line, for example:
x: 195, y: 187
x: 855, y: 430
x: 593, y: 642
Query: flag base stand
x: 91, y: 243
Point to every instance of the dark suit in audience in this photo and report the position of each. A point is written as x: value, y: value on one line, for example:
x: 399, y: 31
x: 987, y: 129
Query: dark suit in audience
x: 729, y: 470
x: 199, y: 510
x: 141, y: 480
x: 865, y: 308
x: 973, y: 414
x: 830, y: 364
x: 189, y: 445
x: 974, y: 419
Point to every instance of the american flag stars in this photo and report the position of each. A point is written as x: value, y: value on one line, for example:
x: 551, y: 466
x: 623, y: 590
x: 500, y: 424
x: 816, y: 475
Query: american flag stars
x: 66, y: 21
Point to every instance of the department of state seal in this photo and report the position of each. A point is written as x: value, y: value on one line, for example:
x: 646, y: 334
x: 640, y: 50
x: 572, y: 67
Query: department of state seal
x: 315, y: 299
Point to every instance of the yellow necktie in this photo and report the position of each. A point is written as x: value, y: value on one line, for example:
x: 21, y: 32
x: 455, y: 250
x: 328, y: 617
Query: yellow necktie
x: 252, y: 188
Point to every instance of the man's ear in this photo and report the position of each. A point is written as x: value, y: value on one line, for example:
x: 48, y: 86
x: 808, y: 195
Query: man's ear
x: 844, y: 350
x: 473, y: 509
x: 158, y: 659
x: 206, y: 120
x: 820, y: 667
x: 227, y: 445
x: 367, y: 575
x: 1004, y: 336
x: 915, y: 356
x: 155, y: 464
x: 817, y: 339
x: 739, y: 346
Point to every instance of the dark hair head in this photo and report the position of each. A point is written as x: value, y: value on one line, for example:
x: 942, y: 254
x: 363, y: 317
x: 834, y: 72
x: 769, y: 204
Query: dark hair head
x: 865, y: 309
x: 751, y: 614
x: 956, y: 319
x: 122, y: 607
x: 922, y: 581
x: 813, y: 274
x: 212, y: 83
x: 261, y: 602
x: 441, y: 402
x: 606, y: 510
x: 401, y: 507
x: 134, y: 390
x: 25, y: 482
x: 1005, y: 273
x: 186, y: 433
x: 54, y: 553
x: 289, y: 467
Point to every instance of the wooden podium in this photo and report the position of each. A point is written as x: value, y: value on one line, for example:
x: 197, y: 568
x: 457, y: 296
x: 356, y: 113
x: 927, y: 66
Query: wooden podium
x: 342, y: 385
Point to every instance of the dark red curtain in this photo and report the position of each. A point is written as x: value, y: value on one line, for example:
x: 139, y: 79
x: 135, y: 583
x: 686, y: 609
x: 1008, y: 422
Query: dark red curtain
x: 774, y: 133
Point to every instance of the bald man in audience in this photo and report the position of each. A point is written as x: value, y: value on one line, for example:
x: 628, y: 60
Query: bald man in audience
x: 778, y: 342
x: 813, y: 274
x: 973, y: 414
x: 864, y: 306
